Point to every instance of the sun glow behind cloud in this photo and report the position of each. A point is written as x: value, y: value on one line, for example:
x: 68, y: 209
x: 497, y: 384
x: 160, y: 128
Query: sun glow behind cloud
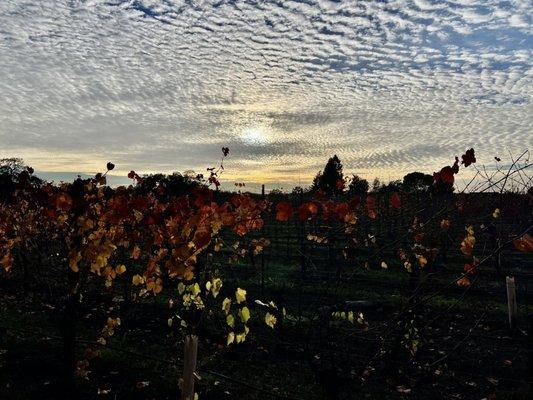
x: 255, y: 135
x: 153, y: 85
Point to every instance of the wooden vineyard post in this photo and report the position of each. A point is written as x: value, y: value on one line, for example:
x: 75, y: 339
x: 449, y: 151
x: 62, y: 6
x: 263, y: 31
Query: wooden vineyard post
x: 189, y: 367
x: 530, y: 351
x: 511, y: 301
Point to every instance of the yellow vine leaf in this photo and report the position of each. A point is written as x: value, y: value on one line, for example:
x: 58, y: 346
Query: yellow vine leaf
x: 239, y: 338
x: 156, y: 286
x: 226, y: 305
x: 216, y: 286
x: 231, y: 338
x: 422, y: 261
x: 230, y: 320
x: 137, y: 280
x: 244, y: 314
x: 240, y: 295
x: 350, y: 317
x: 408, y: 266
x: 270, y: 320
x: 181, y: 288
x: 120, y: 269
x: 195, y: 289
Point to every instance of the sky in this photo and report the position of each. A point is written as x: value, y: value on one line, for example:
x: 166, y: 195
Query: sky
x: 161, y: 85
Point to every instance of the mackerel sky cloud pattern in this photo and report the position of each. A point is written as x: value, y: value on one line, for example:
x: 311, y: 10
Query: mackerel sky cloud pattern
x: 389, y: 86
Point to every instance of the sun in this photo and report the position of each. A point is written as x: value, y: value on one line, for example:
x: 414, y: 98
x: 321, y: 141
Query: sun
x: 254, y: 135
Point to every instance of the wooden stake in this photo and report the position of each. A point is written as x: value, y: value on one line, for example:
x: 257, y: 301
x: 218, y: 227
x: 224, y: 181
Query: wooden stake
x: 511, y: 301
x: 189, y: 367
x: 530, y: 351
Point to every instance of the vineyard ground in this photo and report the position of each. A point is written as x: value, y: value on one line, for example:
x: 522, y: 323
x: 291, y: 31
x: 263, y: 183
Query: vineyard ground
x: 467, y: 330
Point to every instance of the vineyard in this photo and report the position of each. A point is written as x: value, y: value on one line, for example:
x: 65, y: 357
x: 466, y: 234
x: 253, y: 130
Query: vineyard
x: 162, y: 291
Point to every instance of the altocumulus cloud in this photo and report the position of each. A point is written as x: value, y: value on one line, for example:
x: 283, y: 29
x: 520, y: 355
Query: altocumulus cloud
x: 161, y: 85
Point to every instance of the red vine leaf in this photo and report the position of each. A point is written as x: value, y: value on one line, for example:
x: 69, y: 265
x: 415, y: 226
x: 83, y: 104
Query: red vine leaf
x: 395, y: 201
x: 283, y: 211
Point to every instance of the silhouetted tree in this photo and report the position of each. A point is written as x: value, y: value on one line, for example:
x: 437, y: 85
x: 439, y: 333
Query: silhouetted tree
x: 417, y: 182
x: 328, y: 180
x: 276, y: 192
x: 316, y: 181
x: 11, y: 166
x: 358, y: 186
x: 14, y: 172
x: 297, y: 190
x: 276, y: 195
x: 391, y: 187
x: 175, y: 184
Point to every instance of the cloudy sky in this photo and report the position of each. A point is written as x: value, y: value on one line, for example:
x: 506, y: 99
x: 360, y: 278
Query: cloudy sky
x: 162, y: 85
